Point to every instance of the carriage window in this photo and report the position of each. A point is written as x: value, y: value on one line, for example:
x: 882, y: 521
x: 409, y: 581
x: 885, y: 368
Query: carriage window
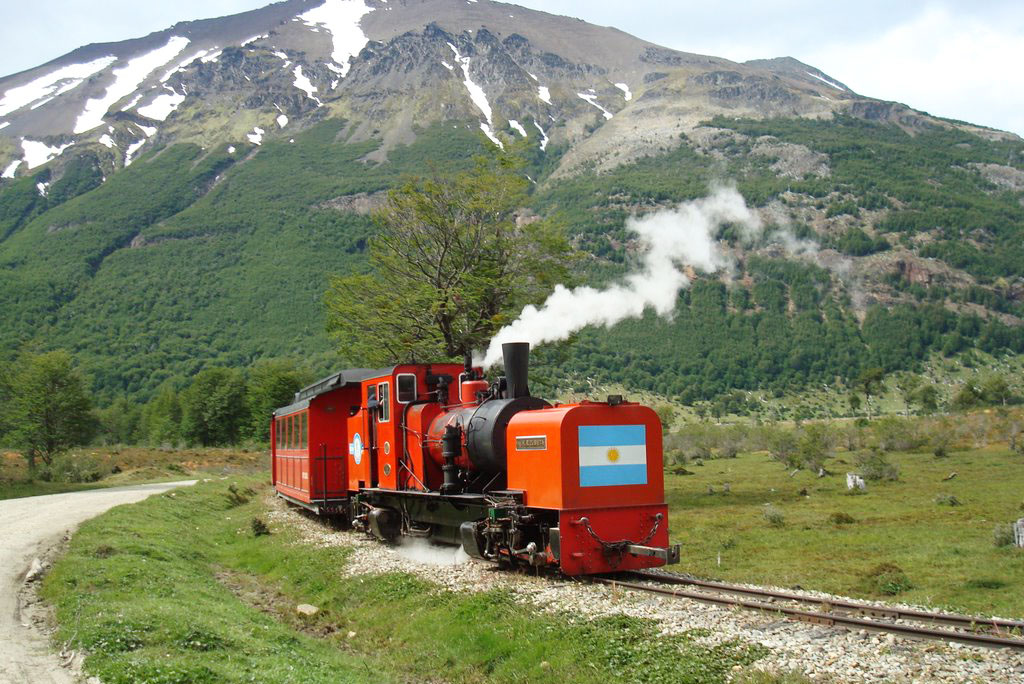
x: 277, y: 433
x: 406, y: 388
x: 384, y: 391
x: 292, y: 433
x: 304, y: 431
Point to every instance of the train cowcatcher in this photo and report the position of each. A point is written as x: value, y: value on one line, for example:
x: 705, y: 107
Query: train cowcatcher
x: 435, y: 451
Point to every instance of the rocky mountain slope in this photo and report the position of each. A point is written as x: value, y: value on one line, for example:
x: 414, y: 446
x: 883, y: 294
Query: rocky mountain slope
x: 179, y: 200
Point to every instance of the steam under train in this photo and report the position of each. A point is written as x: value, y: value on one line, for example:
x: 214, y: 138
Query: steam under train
x: 435, y: 451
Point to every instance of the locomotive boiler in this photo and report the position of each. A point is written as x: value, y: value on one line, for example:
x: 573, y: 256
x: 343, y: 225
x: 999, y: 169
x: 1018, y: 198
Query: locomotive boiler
x: 435, y: 451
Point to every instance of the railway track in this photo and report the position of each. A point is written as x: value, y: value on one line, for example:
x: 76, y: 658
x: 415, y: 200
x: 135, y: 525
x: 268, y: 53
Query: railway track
x: 975, y: 631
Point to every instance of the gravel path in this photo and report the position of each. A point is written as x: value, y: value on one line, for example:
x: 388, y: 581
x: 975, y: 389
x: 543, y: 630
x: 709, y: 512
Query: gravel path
x: 822, y: 653
x: 29, y: 529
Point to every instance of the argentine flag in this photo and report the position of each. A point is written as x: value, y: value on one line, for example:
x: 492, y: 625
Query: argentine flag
x: 612, y: 455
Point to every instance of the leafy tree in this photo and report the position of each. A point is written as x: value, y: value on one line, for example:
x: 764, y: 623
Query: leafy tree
x: 854, y: 401
x: 213, y: 408
x: 51, y: 410
x: 869, y: 382
x: 927, y: 396
x: 995, y: 390
x: 119, y: 422
x: 450, y: 265
x: 272, y: 384
x: 908, y: 385
x: 161, y: 417
x: 967, y: 397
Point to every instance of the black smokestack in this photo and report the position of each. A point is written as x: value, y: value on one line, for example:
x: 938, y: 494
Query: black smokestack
x: 517, y: 367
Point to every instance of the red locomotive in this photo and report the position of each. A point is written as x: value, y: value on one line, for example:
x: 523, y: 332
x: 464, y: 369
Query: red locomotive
x: 435, y: 451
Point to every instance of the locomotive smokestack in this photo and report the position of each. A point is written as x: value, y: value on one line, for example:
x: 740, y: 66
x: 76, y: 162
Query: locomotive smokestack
x: 517, y: 367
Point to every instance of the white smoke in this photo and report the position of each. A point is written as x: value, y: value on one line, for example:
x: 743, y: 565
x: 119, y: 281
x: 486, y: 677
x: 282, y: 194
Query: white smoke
x: 423, y: 552
x: 669, y: 241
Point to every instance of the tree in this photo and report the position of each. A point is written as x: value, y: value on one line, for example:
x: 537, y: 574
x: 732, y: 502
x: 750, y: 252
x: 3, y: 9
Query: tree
x: 869, y: 381
x: 450, y: 265
x: 908, y: 384
x: 213, y: 408
x: 119, y: 422
x: 927, y: 396
x: 51, y: 410
x: 161, y: 417
x: 995, y: 390
x: 854, y: 400
x: 272, y: 384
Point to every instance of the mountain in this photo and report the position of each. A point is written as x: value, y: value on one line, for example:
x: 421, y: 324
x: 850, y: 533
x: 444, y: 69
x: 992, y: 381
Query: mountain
x: 179, y: 200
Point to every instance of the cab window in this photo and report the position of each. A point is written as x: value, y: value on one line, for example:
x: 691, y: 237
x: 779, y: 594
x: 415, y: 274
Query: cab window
x: 384, y: 393
x: 406, y: 389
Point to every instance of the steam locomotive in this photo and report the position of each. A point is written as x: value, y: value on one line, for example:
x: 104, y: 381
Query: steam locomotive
x: 436, y: 451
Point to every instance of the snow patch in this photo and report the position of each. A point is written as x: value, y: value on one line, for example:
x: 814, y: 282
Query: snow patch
x: 256, y: 137
x: 827, y: 81
x: 42, y: 188
x: 161, y: 108
x: 106, y: 141
x: 447, y: 66
x: 231, y: 150
x: 38, y: 153
x: 150, y: 131
x: 518, y: 127
x: 282, y: 120
x: 476, y: 93
x: 543, y: 136
x: 211, y: 57
x: 303, y: 83
x: 341, y: 18
x: 532, y: 76
x: 544, y: 94
x: 45, y: 88
x: 592, y: 99
x: 11, y: 168
x: 129, y: 156
x: 255, y: 38
x: 126, y: 80
x: 4, y: 124
x: 283, y: 56
x: 130, y: 105
x: 625, y: 91
x: 182, y: 64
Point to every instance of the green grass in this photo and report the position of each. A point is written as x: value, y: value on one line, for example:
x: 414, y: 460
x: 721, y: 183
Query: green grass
x: 177, y: 589
x: 946, y: 552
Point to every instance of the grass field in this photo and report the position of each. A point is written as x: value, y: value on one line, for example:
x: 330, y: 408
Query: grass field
x: 946, y: 552
x: 152, y: 593
x: 116, y: 466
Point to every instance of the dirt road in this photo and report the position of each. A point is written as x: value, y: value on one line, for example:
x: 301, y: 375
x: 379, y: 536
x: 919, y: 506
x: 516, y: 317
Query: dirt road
x: 28, y: 528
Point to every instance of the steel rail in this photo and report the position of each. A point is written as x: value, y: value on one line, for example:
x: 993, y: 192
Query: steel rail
x: 894, y: 612
x: 818, y: 617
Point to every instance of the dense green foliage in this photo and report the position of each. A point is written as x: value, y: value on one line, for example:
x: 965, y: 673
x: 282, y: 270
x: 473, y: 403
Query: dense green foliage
x: 193, y: 258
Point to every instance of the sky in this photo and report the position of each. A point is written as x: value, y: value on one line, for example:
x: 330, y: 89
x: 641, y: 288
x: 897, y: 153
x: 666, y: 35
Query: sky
x: 961, y: 59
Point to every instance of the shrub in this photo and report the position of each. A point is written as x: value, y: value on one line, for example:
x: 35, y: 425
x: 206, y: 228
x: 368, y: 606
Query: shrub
x: 72, y: 467
x: 259, y: 528
x: 1003, y: 535
x: 947, y: 500
x: 840, y: 518
x: 888, y: 579
x: 774, y: 516
x: 874, y: 467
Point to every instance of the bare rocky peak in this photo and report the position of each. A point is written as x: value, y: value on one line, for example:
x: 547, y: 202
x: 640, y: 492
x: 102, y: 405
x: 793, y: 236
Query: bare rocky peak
x: 391, y: 65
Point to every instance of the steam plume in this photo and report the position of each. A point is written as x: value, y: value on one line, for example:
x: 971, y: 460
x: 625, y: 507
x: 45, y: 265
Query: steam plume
x: 669, y: 241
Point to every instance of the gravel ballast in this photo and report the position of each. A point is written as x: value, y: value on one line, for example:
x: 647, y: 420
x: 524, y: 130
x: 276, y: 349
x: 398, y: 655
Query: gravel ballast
x: 821, y: 653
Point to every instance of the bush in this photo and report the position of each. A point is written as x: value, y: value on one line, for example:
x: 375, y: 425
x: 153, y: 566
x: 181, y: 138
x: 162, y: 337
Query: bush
x: 1003, y: 535
x: 874, y: 467
x: 840, y: 518
x: 259, y: 528
x: 72, y: 467
x: 947, y: 500
x: 774, y: 516
x: 888, y: 579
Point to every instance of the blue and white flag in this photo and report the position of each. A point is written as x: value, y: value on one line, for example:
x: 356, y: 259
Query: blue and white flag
x: 612, y: 455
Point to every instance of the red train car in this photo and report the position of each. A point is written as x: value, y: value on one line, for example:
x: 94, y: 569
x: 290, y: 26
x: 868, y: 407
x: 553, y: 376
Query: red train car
x: 435, y: 451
